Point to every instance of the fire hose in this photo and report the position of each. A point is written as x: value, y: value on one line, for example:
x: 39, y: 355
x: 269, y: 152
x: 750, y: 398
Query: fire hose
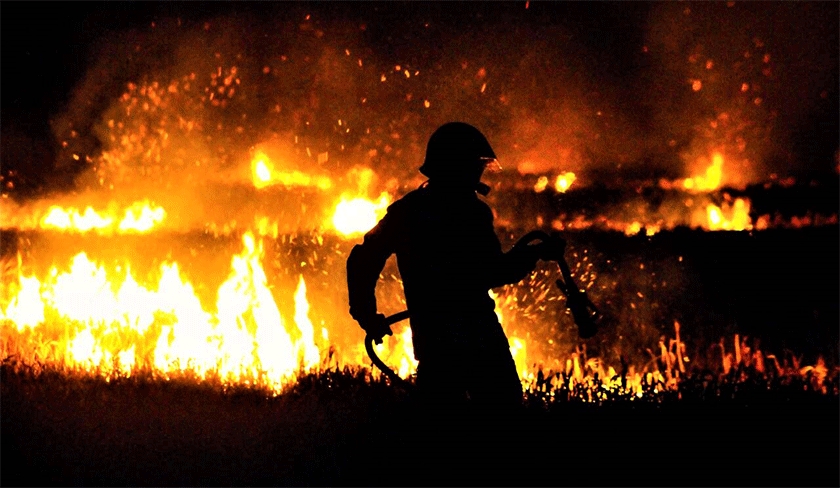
x: 584, y: 312
x: 390, y: 373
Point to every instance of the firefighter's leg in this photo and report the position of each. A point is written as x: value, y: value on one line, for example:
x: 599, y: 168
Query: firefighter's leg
x: 438, y: 423
x: 496, y: 400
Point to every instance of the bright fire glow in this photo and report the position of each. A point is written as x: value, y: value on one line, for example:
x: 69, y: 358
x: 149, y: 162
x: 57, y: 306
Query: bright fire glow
x: 635, y: 227
x: 517, y: 346
x: 564, y: 181
x: 561, y: 183
x: 140, y: 217
x: 72, y: 219
x: 307, y: 349
x: 711, y: 180
x: 101, y: 319
x: 265, y: 174
x: 354, y: 216
x: 262, y: 174
x: 730, y: 217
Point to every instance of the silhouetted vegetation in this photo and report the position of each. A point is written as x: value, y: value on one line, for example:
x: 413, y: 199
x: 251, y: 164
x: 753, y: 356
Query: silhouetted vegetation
x: 347, y: 427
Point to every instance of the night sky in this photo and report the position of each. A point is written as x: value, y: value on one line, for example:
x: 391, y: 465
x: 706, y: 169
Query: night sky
x: 600, y: 86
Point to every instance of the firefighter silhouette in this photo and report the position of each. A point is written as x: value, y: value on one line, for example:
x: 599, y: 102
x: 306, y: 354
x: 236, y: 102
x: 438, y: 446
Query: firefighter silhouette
x: 449, y: 258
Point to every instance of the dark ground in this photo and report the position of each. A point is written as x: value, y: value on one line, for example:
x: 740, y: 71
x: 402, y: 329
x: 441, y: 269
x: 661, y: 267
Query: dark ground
x: 341, y: 430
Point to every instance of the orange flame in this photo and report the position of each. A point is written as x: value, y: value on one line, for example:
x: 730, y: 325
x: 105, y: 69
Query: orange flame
x: 711, y: 180
x: 564, y: 181
x: 264, y: 174
x: 111, y: 323
x: 730, y: 217
x: 561, y: 183
x: 140, y: 217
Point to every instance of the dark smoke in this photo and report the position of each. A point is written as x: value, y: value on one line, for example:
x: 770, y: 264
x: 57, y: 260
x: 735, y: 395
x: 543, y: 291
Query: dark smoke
x: 602, y: 89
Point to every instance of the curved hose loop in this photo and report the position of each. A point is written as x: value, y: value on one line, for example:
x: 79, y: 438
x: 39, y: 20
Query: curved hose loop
x: 584, y: 312
x: 390, y: 373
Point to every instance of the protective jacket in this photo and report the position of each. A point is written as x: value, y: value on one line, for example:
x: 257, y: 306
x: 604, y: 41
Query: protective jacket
x: 449, y: 257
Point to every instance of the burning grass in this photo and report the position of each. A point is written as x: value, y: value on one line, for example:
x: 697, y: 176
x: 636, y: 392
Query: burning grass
x: 278, y: 311
x: 586, y: 379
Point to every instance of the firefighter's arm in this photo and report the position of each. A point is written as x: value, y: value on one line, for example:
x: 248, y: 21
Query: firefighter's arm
x: 504, y: 268
x: 515, y: 264
x: 364, y: 266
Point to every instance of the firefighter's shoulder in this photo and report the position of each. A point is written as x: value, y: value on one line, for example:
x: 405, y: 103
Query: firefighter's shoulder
x: 408, y: 202
x: 483, y: 209
x: 396, y: 215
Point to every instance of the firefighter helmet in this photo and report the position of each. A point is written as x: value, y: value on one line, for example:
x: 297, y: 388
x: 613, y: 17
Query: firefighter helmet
x: 455, y: 150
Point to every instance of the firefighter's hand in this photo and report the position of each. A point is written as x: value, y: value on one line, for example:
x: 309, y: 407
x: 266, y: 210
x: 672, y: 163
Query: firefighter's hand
x: 559, y: 244
x: 551, y: 250
x: 549, y: 247
x: 375, y: 327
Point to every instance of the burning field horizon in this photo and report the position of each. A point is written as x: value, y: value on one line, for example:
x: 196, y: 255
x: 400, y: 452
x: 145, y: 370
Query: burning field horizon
x: 178, y: 205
